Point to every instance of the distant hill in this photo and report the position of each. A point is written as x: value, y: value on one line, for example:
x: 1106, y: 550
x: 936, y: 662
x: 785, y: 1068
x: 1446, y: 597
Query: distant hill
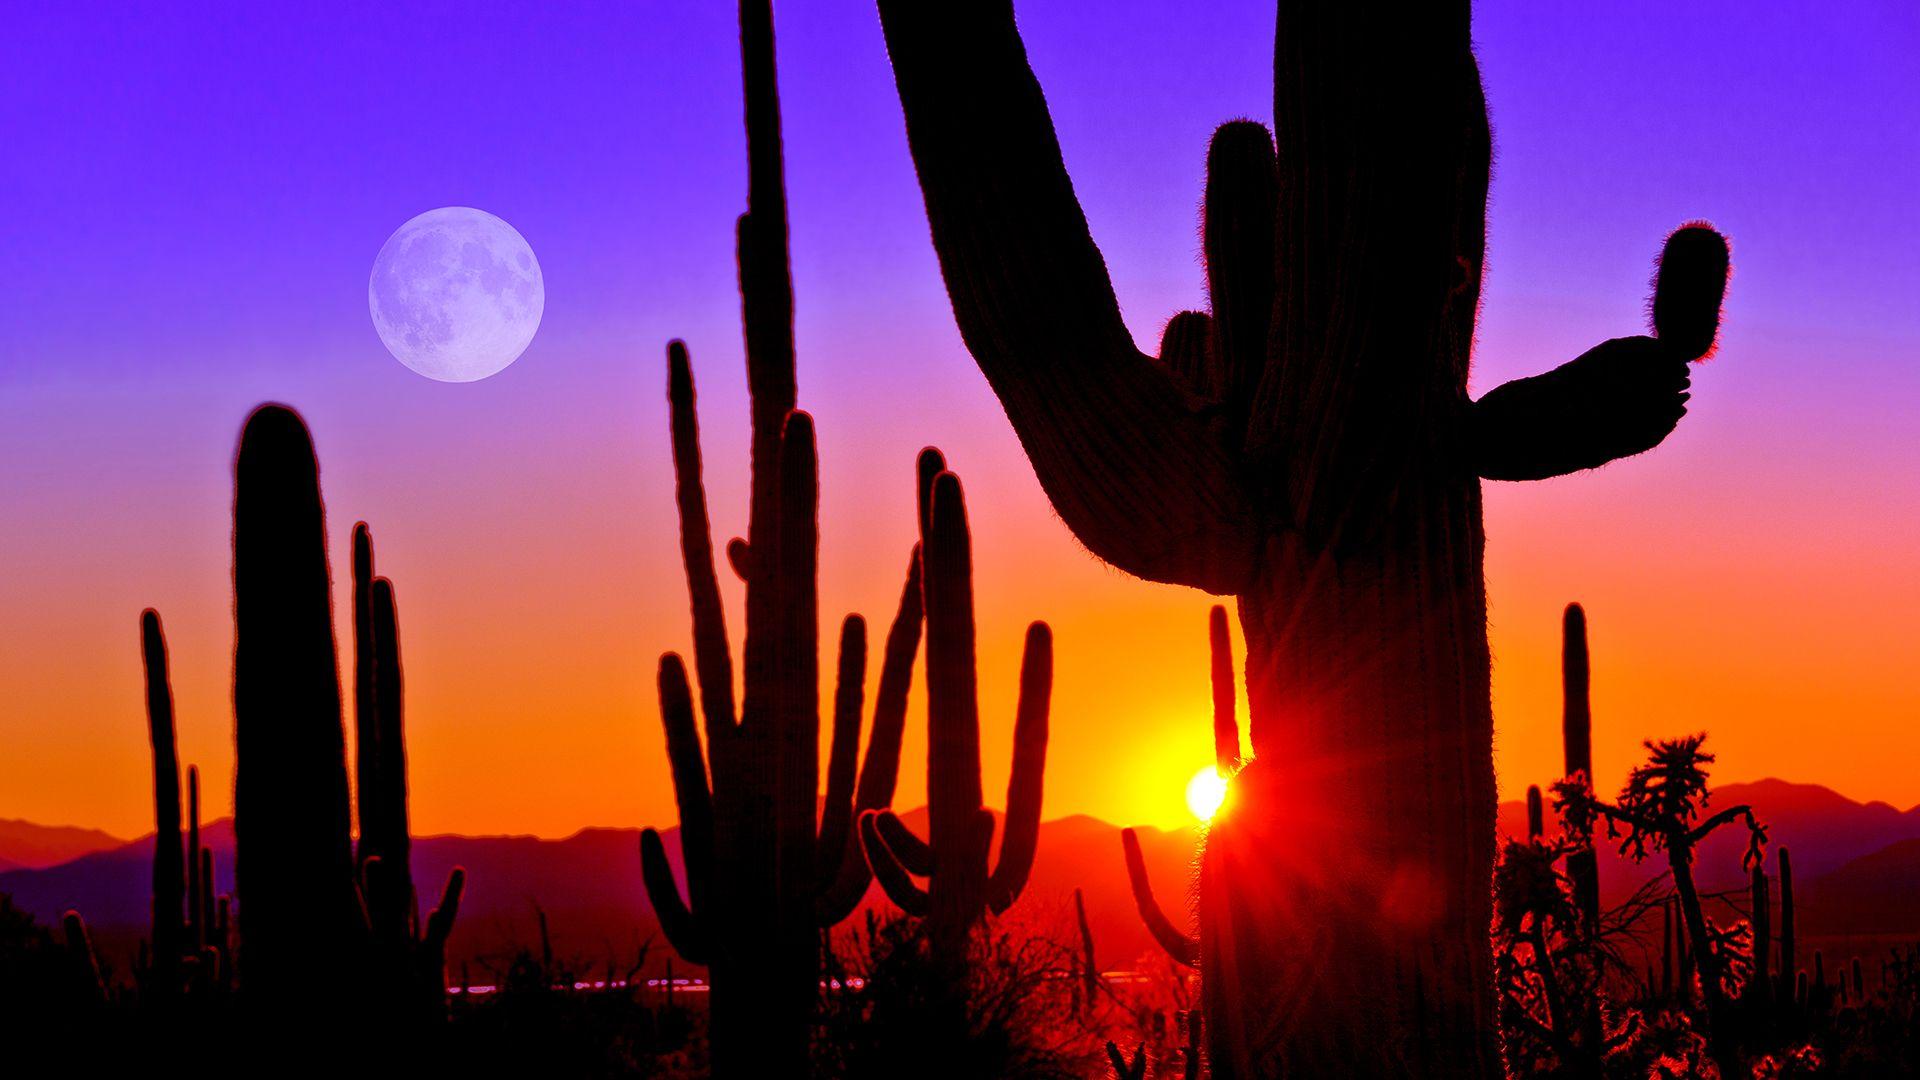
x: 1858, y: 867
x: 24, y: 845
x: 590, y: 887
x: 1825, y: 830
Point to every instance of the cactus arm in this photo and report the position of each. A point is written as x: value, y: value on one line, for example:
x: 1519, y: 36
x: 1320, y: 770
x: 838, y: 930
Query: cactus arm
x: 690, y: 788
x: 880, y: 772
x: 1133, y: 470
x: 440, y: 923
x: 912, y: 853
x: 1186, y: 351
x: 1689, y: 286
x: 1620, y: 398
x: 366, y: 708
x: 169, y: 877
x: 390, y: 753
x: 836, y: 819
x: 685, y: 930
x: 1024, y: 787
x: 1182, y: 948
x: 1242, y: 193
x: 927, y: 468
x: 712, y: 655
x: 1226, y: 726
x: 887, y: 869
x: 740, y: 559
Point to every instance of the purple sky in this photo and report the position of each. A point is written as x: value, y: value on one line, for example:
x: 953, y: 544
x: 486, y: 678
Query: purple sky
x: 193, y: 197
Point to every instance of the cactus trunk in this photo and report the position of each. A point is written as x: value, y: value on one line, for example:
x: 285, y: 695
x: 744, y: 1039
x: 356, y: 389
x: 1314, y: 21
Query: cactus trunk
x: 299, y: 915
x: 1344, y: 895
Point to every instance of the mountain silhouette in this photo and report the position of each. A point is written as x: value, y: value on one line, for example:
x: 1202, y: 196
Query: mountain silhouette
x: 589, y: 885
x: 1825, y: 829
x: 1859, y: 865
x: 26, y: 846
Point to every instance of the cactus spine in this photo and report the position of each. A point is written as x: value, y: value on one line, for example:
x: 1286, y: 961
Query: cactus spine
x: 1333, y: 486
x: 961, y: 887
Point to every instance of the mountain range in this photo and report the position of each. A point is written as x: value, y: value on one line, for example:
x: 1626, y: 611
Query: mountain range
x: 1856, y: 865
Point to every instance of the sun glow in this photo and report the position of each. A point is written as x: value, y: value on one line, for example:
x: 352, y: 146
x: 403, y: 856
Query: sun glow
x: 1205, y: 792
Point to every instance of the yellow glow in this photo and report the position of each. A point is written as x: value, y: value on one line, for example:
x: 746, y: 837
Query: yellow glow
x: 1205, y: 792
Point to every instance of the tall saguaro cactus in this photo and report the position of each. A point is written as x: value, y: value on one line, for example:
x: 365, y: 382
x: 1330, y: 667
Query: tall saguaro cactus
x: 961, y: 886
x: 1309, y: 447
x: 762, y: 876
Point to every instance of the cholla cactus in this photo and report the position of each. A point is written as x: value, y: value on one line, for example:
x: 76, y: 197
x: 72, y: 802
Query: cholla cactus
x: 1548, y: 969
x: 1659, y: 810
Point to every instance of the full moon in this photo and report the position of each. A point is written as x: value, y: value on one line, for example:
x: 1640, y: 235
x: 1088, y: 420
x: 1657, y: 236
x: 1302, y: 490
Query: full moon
x: 456, y: 294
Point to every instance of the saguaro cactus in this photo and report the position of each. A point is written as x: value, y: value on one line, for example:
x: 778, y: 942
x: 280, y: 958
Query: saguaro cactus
x: 169, y: 872
x: 761, y: 878
x: 409, y: 956
x: 961, y: 886
x: 1576, y: 731
x: 1309, y: 447
x: 753, y: 903
x: 300, y: 921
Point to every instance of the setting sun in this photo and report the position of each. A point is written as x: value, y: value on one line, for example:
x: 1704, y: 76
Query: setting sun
x: 1205, y: 792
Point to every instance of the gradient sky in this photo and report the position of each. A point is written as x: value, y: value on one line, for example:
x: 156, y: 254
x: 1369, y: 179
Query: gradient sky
x: 193, y: 198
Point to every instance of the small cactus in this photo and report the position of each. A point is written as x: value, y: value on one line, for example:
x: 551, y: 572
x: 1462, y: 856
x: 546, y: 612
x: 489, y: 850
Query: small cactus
x: 169, y: 873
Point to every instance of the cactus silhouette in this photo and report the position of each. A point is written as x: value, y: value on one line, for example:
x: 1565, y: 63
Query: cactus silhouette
x: 1759, y: 993
x: 318, y: 936
x: 1309, y: 447
x: 1659, y: 810
x: 752, y: 901
x: 1181, y: 946
x: 1124, y: 1069
x: 961, y: 888
x: 1789, y: 1000
x: 761, y: 878
x: 1576, y: 731
x: 299, y: 916
x: 169, y: 873
x: 408, y: 956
